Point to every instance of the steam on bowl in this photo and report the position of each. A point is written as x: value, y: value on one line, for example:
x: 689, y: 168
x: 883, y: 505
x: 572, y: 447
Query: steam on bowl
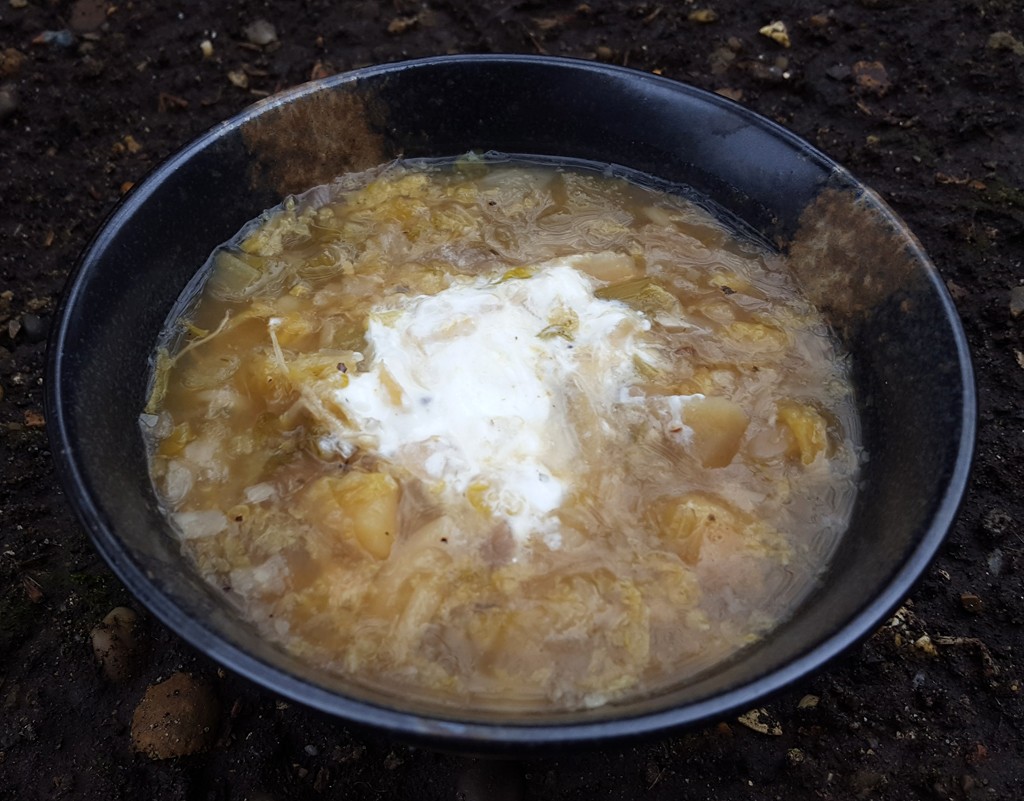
x: 853, y: 257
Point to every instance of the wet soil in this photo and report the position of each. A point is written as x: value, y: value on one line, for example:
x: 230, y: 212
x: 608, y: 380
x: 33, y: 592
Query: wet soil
x: 922, y: 100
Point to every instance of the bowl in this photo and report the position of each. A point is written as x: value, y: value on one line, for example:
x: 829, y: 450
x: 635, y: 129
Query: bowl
x: 855, y: 258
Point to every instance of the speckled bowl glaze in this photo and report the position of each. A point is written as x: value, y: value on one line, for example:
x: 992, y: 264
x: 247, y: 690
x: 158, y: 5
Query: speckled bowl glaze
x: 855, y: 258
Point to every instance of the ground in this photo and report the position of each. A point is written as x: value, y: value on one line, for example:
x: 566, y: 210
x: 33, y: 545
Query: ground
x: 922, y: 100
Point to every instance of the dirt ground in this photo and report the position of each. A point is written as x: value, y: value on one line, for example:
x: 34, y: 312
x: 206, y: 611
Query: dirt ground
x: 922, y: 100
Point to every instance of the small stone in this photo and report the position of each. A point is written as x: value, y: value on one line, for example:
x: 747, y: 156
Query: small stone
x: 702, y: 16
x: 175, y: 718
x: 972, y: 603
x: 10, y: 62
x: 114, y: 644
x: 321, y: 70
x: 720, y: 60
x: 9, y: 101
x: 61, y: 38
x: 206, y: 48
x: 871, y: 76
x: 838, y: 72
x: 35, y: 327
x: 995, y: 562
x: 352, y: 752
x: 18, y: 3
x: 604, y: 53
x: 260, y: 32
x: 760, y: 721
x: 996, y: 523
x: 1004, y: 40
x: 808, y: 702
x: 977, y: 754
x: 1017, y: 301
x: 34, y: 419
x: 777, y: 32
x: 239, y: 78
x: 794, y: 756
x: 311, y: 750
x: 956, y: 291
x: 87, y: 15
x: 732, y: 94
x: 400, y: 25
x: 925, y: 645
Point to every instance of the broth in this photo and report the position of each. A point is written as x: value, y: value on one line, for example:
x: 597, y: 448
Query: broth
x: 503, y: 434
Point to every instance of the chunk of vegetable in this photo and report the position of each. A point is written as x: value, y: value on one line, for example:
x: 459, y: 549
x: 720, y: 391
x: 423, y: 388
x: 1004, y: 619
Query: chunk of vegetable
x: 808, y: 427
x: 757, y: 337
x: 642, y: 294
x: 356, y: 506
x: 718, y: 427
x: 234, y: 274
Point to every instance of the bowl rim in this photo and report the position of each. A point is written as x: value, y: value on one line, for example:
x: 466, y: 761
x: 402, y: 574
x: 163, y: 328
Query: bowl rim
x: 451, y: 731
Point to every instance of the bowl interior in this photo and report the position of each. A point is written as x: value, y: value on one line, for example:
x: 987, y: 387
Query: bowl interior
x: 911, y: 370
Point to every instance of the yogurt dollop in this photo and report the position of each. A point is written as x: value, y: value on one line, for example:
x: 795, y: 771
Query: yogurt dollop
x: 476, y: 390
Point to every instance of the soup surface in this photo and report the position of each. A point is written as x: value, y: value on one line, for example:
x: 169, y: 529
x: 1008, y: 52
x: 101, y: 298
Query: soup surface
x: 502, y: 434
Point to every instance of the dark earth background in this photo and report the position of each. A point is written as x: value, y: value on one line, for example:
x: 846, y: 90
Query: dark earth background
x: 922, y: 100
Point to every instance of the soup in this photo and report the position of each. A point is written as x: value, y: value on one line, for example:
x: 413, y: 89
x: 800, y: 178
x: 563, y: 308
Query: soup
x: 503, y: 434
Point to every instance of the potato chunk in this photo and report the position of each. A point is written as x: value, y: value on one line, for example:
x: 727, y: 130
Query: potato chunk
x: 808, y: 427
x: 356, y: 506
x: 718, y: 427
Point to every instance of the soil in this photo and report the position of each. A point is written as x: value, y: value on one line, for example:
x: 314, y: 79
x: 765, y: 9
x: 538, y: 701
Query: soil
x: 921, y: 100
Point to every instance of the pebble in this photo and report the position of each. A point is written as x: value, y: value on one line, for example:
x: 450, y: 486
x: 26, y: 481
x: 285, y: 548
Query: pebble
x: 10, y: 62
x: 972, y: 603
x: 114, y: 644
x: 239, y: 78
x: 808, y: 702
x: 1017, y: 301
x: 996, y: 523
x: 839, y: 72
x: 872, y: 77
x: 925, y: 645
x: 1004, y: 40
x: 702, y: 15
x: 175, y: 718
x: 35, y: 327
x: 88, y: 15
x: 760, y: 721
x: 61, y: 38
x: 260, y: 32
x: 9, y: 100
x: 777, y: 32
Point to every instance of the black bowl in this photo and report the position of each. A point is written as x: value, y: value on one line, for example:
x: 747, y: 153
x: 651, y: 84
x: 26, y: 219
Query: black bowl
x: 911, y: 368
